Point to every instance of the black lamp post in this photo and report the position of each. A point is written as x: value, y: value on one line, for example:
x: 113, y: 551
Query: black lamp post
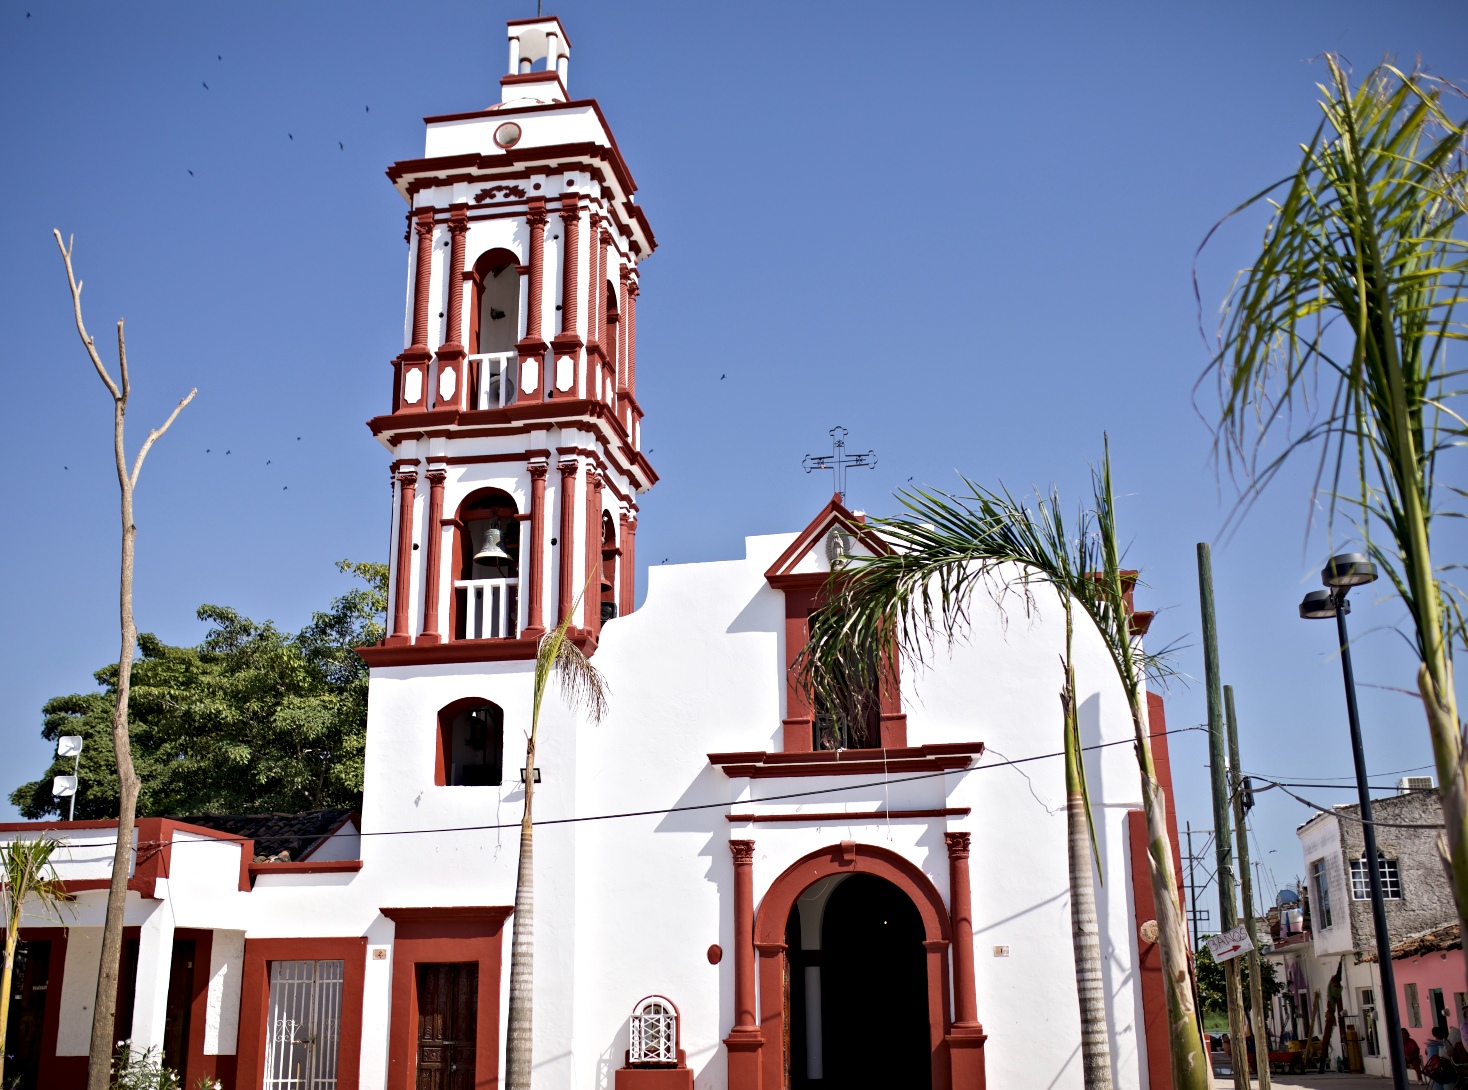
x: 1340, y: 574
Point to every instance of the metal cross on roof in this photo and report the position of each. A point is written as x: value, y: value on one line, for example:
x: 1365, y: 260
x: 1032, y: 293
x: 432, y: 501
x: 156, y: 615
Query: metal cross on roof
x: 838, y: 460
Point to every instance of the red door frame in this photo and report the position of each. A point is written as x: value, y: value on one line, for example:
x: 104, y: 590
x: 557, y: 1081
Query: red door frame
x: 438, y: 935
x: 769, y: 940
x: 255, y: 997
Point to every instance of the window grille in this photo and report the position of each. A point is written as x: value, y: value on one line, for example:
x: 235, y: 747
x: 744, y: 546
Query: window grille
x: 654, y: 1032
x: 1391, y: 880
x: 305, y: 1023
x: 1320, y: 885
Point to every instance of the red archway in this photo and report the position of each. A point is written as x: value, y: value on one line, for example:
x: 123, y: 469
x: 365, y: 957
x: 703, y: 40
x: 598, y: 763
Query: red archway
x: 850, y: 857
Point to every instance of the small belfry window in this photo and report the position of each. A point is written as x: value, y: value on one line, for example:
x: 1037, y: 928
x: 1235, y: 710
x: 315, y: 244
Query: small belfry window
x: 487, y: 587
x: 850, y: 720
x: 471, y: 745
x: 654, y: 1032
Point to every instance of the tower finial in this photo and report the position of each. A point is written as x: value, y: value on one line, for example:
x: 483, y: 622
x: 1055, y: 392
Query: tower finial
x: 838, y: 460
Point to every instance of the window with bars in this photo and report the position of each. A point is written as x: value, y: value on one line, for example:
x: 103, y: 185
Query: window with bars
x: 654, y: 1032
x: 1391, y: 881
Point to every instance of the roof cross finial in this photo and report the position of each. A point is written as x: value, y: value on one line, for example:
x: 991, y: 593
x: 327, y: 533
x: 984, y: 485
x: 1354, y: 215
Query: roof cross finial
x: 838, y: 460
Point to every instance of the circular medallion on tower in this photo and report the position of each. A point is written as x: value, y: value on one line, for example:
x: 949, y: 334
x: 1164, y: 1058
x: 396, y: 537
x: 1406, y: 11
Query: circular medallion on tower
x: 507, y: 135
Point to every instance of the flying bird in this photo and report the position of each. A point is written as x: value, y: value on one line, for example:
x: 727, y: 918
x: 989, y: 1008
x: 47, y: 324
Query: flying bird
x: 298, y: 439
x: 909, y: 480
x: 206, y: 86
x: 368, y: 108
x: 66, y: 467
x: 290, y: 136
x: 267, y: 461
x: 341, y: 145
x: 191, y: 173
x: 226, y: 452
x: 721, y: 378
x: 221, y: 56
x: 285, y: 488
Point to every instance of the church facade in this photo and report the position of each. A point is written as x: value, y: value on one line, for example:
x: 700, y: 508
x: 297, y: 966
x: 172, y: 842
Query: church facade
x: 732, y: 891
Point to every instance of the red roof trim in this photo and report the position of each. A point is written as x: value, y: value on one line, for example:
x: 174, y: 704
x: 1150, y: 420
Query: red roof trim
x: 804, y: 541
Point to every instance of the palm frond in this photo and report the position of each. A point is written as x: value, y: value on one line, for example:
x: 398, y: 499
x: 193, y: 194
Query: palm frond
x: 26, y: 873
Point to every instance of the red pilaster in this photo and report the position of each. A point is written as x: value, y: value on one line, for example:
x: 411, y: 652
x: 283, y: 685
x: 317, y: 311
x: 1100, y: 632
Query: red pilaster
x: 960, y: 909
x: 632, y: 337
x: 532, y: 348
x: 628, y: 570
x: 536, y: 626
x: 565, y: 592
x: 568, y: 341
x: 744, y: 1040
x: 624, y: 316
x: 431, y: 548
x: 452, y: 382
x: 592, y: 596
x: 407, y: 489
x: 423, y: 227
x: 595, y: 303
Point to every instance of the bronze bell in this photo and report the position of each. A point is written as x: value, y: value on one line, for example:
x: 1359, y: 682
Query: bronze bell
x: 490, y: 552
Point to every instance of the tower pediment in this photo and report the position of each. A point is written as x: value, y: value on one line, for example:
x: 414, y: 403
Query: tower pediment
x: 835, y: 532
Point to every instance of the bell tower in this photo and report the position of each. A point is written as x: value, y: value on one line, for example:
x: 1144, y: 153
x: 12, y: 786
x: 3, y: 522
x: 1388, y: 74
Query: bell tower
x: 515, y: 430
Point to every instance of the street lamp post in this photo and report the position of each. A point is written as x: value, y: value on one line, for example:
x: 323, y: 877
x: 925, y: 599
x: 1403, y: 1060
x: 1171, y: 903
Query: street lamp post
x: 1340, y: 574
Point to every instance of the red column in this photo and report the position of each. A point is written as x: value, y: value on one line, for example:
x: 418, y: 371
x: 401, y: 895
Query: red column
x: 960, y: 910
x: 592, y: 596
x: 744, y: 1040
x: 966, y: 1036
x: 532, y: 348
x: 565, y: 593
x: 568, y: 341
x: 595, y: 304
x: 431, y: 548
x: 632, y: 337
x: 413, y: 363
x: 743, y: 852
x: 451, y: 390
x: 407, y: 488
x: 624, y: 314
x: 628, y: 571
x: 536, y: 626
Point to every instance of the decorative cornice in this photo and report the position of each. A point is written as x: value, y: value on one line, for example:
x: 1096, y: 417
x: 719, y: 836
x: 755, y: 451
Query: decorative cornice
x: 503, y: 191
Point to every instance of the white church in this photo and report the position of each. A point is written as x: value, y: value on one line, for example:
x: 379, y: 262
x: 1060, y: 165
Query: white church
x: 731, y: 892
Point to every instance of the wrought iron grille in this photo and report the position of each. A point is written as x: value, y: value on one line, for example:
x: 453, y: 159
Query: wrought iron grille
x: 305, y: 1025
x: 655, y: 1032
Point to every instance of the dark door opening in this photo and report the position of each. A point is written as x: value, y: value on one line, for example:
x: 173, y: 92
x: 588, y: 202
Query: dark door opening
x: 448, y: 1012
x: 176, y: 1013
x: 871, y: 972
x: 29, y: 981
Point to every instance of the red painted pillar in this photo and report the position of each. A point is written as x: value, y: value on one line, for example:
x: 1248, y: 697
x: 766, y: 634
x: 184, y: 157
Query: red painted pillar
x: 536, y: 626
x: 413, y: 363
x: 744, y: 1040
x: 966, y: 1036
x: 565, y: 594
x: 407, y: 488
x: 452, y: 382
x: 431, y: 549
x: 632, y: 337
x: 532, y: 348
x: 591, y: 595
x: 568, y: 341
x: 628, y: 570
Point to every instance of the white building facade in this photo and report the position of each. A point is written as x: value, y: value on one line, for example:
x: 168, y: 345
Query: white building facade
x: 728, y: 894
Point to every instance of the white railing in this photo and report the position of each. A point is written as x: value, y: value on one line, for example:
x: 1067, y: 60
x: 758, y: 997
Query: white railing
x: 497, y: 379
x: 492, y: 608
x: 654, y: 1032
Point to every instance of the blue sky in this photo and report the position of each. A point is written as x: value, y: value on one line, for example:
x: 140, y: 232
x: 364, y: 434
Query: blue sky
x: 965, y: 233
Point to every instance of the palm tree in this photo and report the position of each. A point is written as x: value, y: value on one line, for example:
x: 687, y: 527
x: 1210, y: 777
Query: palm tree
x: 25, y: 867
x: 946, y: 549
x: 1337, y: 336
x: 584, y: 688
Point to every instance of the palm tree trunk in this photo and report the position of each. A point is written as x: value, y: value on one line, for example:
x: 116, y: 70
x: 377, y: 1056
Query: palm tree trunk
x: 1084, y: 929
x: 1189, y: 1061
x: 519, y: 1039
x: 12, y: 937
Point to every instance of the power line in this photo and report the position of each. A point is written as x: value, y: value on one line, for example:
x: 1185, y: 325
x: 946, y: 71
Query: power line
x: 711, y: 805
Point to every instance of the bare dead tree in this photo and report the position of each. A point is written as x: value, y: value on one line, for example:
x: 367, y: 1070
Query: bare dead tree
x: 104, y: 1010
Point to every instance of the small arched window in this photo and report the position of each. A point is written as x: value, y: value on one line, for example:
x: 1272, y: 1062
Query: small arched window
x: 655, y: 1037
x: 471, y: 743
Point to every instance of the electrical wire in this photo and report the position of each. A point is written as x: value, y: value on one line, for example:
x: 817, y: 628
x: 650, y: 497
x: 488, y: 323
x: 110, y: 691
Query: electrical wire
x: 712, y: 805
x: 1338, y: 812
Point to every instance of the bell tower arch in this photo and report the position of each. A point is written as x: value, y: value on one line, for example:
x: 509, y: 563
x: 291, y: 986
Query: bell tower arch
x: 514, y: 428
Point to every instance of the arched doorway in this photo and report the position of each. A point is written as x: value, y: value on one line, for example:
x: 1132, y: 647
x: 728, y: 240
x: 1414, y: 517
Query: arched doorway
x: 858, y: 1008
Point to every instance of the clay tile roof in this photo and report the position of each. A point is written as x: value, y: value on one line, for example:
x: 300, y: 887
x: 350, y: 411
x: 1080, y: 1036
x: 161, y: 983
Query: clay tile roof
x: 1443, y: 937
x: 298, y: 834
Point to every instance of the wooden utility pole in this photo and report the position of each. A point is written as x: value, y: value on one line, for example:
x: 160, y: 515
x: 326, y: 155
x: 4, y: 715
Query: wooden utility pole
x: 1222, y: 824
x: 104, y: 1009
x: 1246, y: 890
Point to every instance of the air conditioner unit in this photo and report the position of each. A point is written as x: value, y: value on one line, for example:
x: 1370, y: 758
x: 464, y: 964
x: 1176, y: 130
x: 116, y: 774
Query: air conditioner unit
x: 1414, y: 783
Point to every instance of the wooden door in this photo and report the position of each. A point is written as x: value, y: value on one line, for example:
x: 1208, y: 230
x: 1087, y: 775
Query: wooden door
x: 448, y: 1013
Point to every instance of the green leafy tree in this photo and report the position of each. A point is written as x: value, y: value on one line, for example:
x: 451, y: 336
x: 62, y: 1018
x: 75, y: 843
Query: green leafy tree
x: 1211, y: 987
x: 253, y: 719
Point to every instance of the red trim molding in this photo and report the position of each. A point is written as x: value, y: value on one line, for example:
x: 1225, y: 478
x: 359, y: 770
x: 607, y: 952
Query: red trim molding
x: 307, y: 866
x: 864, y: 817
x: 255, y: 997
x: 849, y: 762
x: 438, y: 935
